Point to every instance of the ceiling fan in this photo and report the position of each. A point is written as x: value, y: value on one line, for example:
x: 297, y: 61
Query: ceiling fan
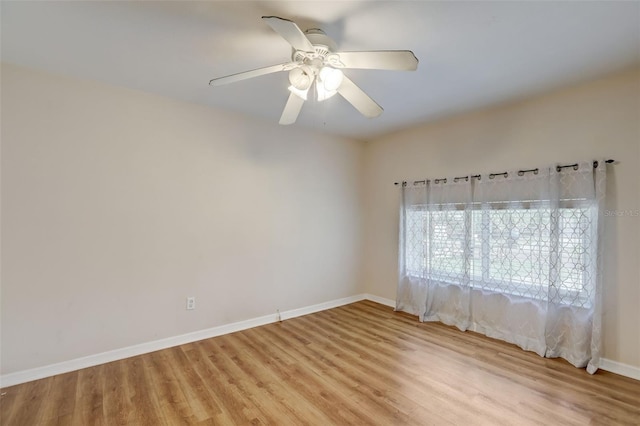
x: 316, y: 69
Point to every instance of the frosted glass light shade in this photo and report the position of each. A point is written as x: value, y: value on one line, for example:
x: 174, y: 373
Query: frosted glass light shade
x: 324, y: 94
x: 331, y: 78
x: 328, y: 81
x: 301, y: 78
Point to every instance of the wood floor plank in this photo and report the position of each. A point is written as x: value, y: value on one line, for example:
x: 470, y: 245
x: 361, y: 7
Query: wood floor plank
x: 219, y: 405
x: 88, y: 396
x: 357, y: 364
x: 191, y: 386
x: 143, y: 393
x: 60, y: 404
x: 173, y: 404
x: 31, y: 395
x: 223, y: 384
x: 117, y: 397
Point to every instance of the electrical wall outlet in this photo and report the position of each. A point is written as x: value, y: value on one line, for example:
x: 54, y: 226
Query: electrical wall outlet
x: 191, y: 303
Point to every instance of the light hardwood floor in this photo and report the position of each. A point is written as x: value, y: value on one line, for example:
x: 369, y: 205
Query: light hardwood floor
x: 359, y: 364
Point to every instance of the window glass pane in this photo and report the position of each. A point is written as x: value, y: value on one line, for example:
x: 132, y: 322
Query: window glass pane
x: 415, y: 242
x: 517, y: 250
x: 446, y: 244
x: 575, y: 283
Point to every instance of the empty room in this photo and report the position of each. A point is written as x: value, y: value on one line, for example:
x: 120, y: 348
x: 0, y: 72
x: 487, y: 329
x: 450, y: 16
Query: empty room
x: 319, y: 213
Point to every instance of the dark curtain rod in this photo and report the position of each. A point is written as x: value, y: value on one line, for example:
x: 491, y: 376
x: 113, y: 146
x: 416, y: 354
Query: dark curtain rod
x: 492, y: 175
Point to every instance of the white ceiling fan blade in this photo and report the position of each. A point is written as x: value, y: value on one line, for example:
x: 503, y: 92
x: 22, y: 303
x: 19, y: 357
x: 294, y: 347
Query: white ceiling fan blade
x: 400, y: 60
x: 291, y: 109
x: 360, y: 100
x: 290, y: 32
x: 250, y: 74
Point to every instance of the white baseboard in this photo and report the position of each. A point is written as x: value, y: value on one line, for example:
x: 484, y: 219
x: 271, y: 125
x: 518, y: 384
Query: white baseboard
x: 380, y: 300
x: 620, y: 368
x: 321, y: 307
x: 122, y: 353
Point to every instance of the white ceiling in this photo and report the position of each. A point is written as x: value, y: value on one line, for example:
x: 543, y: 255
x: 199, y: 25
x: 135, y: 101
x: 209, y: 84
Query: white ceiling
x: 472, y: 54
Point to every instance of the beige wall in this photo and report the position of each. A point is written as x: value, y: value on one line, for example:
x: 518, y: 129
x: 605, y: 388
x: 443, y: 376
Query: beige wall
x: 599, y: 119
x: 117, y: 205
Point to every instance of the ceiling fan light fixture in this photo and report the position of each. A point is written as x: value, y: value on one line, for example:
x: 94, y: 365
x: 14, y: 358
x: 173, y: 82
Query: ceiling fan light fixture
x: 331, y: 78
x: 328, y: 81
x: 301, y: 78
x: 316, y: 65
x: 322, y: 94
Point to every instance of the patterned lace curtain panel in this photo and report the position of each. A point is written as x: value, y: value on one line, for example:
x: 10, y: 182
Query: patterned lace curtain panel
x: 514, y: 256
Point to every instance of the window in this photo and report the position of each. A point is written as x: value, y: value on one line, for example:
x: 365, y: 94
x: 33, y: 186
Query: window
x: 507, y: 250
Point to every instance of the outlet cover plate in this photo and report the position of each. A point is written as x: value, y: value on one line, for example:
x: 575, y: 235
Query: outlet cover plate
x: 191, y: 303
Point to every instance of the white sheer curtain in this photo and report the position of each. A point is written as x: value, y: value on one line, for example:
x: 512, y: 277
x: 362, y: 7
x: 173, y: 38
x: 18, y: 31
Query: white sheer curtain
x: 513, y: 255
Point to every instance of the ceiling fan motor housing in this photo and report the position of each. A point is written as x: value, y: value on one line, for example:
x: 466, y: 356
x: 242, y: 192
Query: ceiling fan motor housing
x: 322, y: 44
